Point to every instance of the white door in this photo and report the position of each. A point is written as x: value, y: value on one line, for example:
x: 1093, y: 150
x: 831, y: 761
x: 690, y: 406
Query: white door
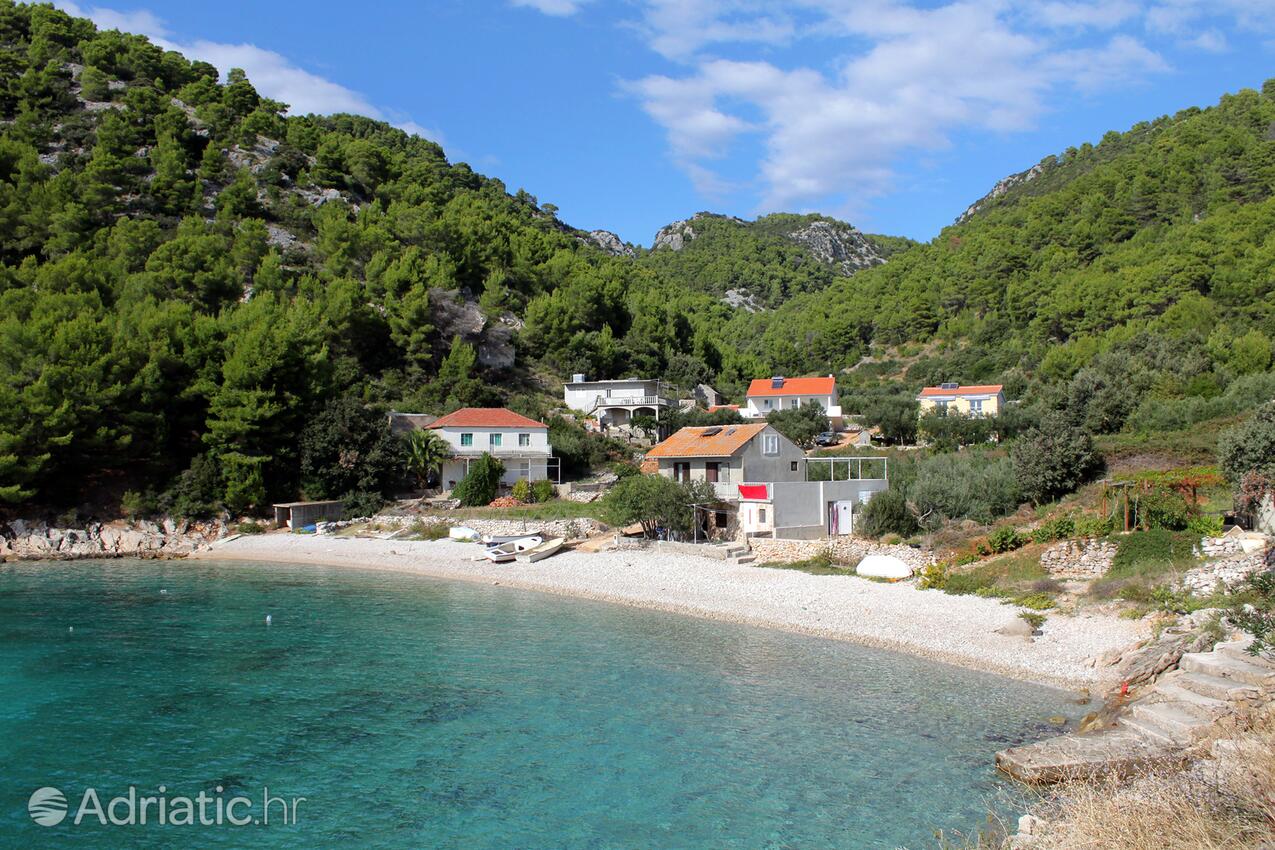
x: 840, y: 517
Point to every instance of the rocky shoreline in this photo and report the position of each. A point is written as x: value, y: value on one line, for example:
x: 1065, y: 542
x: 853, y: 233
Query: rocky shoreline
x: 23, y: 540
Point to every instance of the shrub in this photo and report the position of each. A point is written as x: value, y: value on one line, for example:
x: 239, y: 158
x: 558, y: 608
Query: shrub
x: 136, y: 505
x: 1033, y: 619
x: 1163, y: 508
x: 800, y: 424
x: 970, y: 485
x: 1091, y: 526
x: 1059, y: 528
x: 1005, y: 539
x: 655, y: 502
x: 948, y: 431
x: 250, y: 527
x: 347, y: 447
x: 1036, y: 601
x: 360, y: 503
x: 1249, y: 447
x: 196, y: 493
x: 1255, y: 614
x: 1205, y: 526
x: 1152, y: 553
x: 1053, y: 459
x: 433, y: 530
x: 625, y: 470
x: 934, y: 576
x: 887, y: 512
x: 543, y: 490
x: 522, y: 490
x: 961, y: 584
x: 479, y: 487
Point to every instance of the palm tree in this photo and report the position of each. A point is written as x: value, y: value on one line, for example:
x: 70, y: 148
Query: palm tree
x: 426, y: 452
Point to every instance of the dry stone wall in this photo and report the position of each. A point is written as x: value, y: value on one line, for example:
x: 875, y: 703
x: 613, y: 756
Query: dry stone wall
x: 1227, y: 573
x: 571, y: 529
x: 1078, y: 558
x: 845, y: 549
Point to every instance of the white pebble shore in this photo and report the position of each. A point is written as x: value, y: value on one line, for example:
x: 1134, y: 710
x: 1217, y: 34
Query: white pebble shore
x: 957, y: 630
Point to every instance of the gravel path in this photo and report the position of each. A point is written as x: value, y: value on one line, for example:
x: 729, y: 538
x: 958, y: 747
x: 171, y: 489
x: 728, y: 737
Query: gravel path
x: 956, y: 629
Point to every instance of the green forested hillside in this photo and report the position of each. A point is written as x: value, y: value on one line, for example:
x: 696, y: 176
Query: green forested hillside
x: 194, y: 286
x: 1135, y: 273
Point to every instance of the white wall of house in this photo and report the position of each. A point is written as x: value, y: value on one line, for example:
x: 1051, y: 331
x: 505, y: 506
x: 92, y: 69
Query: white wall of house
x: 799, y: 509
x: 758, y: 406
x: 475, y: 441
x: 582, y: 396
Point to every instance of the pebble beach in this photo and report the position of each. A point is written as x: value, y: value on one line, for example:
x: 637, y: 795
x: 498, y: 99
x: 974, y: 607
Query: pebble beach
x: 958, y: 630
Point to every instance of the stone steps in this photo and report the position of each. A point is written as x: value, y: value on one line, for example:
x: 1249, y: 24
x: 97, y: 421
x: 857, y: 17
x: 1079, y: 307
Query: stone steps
x: 1171, y: 722
x: 1211, y: 686
x: 1238, y: 649
x: 1226, y: 666
x: 1120, y: 751
x: 1206, y: 706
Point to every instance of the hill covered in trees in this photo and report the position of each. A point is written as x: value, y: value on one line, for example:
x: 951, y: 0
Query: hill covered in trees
x: 198, y: 291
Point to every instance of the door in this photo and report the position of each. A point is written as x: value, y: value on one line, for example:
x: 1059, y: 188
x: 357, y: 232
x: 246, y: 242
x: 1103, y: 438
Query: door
x: 681, y: 471
x: 710, y: 472
x: 840, y: 517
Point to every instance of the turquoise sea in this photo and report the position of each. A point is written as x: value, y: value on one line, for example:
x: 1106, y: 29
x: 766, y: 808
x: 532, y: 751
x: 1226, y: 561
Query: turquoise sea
x: 415, y: 713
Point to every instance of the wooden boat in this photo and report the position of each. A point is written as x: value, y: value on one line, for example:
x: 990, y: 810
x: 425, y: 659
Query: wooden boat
x: 503, y: 552
x: 539, y: 553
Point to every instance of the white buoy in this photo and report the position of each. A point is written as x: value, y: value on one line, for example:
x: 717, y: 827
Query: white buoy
x: 162, y: 590
x: 267, y: 619
x: 71, y: 629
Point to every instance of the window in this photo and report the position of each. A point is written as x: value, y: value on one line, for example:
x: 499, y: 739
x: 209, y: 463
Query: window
x: 794, y: 403
x: 941, y: 407
x: 681, y: 471
x: 976, y: 407
x: 769, y: 402
x: 721, y: 520
x: 466, y: 439
x: 493, y: 440
x: 524, y: 440
x: 761, y: 516
x: 770, y: 444
x: 793, y: 466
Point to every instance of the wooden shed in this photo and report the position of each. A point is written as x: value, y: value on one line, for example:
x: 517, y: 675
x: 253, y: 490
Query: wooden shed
x: 296, y: 515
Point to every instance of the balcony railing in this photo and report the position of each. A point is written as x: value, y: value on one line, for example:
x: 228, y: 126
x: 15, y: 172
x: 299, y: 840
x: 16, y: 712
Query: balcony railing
x: 633, y: 401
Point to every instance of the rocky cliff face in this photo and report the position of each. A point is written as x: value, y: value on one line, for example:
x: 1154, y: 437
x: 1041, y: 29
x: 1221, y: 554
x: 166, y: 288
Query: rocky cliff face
x: 833, y: 242
x: 838, y: 244
x: 22, y: 541
x: 1001, y: 187
x: 611, y: 244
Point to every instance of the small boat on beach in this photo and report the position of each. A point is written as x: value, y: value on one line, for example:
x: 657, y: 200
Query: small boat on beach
x: 505, y: 550
x: 539, y: 553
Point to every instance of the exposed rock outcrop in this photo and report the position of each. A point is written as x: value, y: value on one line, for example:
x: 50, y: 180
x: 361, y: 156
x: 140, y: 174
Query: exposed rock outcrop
x: 608, y: 242
x: 1002, y: 186
x: 457, y: 314
x: 24, y: 541
x: 838, y: 244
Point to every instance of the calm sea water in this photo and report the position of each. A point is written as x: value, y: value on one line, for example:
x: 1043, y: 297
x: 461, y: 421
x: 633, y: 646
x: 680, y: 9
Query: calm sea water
x: 413, y: 713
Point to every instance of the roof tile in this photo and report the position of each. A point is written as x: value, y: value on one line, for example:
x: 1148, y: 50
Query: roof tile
x: 794, y: 386
x: 485, y: 417
x: 694, y: 442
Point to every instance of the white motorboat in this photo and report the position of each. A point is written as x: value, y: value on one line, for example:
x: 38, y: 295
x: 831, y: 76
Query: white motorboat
x: 539, y: 553
x: 502, y: 552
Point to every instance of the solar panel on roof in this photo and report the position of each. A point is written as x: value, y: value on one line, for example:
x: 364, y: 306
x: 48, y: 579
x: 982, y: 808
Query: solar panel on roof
x: 711, y: 432
x: 948, y: 386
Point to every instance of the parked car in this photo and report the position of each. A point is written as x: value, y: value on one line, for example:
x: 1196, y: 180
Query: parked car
x: 827, y: 438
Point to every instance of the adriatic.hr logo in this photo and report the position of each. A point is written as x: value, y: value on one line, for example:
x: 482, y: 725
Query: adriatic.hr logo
x: 48, y: 807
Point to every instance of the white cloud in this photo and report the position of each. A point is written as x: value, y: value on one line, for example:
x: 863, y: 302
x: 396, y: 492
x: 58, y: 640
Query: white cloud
x: 907, y: 78
x: 556, y: 8
x: 271, y: 73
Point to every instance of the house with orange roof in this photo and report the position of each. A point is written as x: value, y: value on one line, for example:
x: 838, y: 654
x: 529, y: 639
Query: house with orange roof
x: 762, y: 482
x: 520, y: 443
x: 968, y: 400
x: 766, y: 395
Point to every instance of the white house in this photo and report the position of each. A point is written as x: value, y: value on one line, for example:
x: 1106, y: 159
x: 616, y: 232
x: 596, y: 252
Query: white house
x: 761, y: 477
x: 616, y: 402
x: 768, y: 395
x: 521, y: 444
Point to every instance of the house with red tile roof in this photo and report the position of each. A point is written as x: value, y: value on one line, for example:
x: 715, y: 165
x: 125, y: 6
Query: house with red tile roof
x: 766, y: 395
x: 967, y: 400
x: 520, y: 443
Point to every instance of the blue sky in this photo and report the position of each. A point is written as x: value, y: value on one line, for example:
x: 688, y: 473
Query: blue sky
x: 628, y: 114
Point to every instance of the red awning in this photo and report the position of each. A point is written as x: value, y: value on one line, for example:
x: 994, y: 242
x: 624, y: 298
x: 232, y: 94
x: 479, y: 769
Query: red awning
x: 753, y: 491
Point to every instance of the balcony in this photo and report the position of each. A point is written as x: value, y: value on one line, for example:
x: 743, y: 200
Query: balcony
x: 633, y: 401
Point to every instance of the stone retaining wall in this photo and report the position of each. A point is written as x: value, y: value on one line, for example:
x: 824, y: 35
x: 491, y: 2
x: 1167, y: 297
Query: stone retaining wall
x: 571, y: 529
x: 1228, y: 572
x: 28, y: 541
x: 1218, y: 547
x: 848, y: 550
x: 1078, y: 558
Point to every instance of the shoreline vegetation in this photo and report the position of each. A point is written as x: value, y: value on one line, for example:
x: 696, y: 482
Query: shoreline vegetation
x: 959, y: 630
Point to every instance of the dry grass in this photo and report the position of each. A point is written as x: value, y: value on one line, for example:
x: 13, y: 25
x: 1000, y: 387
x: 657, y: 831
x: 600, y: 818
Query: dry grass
x: 1226, y: 803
